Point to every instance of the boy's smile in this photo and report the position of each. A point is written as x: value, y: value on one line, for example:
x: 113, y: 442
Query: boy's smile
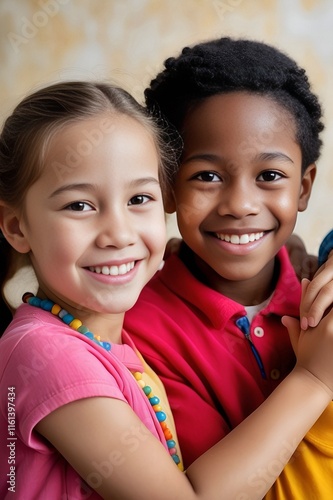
x: 238, y: 190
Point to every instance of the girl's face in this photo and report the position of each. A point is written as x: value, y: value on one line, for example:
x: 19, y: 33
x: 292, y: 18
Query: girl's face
x: 239, y: 188
x: 94, y: 221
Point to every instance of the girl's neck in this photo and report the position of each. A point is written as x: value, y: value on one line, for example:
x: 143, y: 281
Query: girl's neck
x: 107, y: 326
x: 246, y: 292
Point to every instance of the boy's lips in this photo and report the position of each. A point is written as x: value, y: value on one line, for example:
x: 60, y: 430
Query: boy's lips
x: 240, y: 239
x: 113, y: 270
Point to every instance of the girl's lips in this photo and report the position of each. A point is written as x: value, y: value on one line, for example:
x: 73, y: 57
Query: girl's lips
x: 240, y: 239
x: 113, y: 270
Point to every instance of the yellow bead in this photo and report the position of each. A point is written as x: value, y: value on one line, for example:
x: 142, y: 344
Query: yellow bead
x: 75, y: 324
x: 157, y: 407
x: 55, y: 309
x: 137, y: 376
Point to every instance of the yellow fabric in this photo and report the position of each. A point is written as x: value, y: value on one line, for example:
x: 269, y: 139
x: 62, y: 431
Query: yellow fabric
x: 151, y: 379
x: 309, y: 473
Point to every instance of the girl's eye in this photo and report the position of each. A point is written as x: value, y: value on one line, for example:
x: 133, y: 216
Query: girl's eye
x: 139, y: 199
x: 79, y: 206
x: 269, y: 176
x: 207, y: 177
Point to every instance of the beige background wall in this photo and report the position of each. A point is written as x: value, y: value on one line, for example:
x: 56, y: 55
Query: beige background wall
x: 43, y: 41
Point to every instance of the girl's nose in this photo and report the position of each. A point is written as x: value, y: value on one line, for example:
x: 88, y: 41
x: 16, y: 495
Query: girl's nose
x: 117, y: 229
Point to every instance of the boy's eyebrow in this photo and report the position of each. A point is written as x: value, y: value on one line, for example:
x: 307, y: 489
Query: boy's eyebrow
x: 84, y: 186
x: 275, y: 155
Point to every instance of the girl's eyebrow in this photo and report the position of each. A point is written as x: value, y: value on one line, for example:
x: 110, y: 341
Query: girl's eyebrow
x: 84, y: 186
x: 73, y: 187
x: 144, y: 180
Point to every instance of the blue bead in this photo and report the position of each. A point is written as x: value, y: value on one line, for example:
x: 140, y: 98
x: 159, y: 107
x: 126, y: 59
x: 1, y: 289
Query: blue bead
x: 106, y: 346
x: 46, y: 305
x: 147, y: 389
x: 176, y: 459
x: 89, y: 335
x: 35, y: 301
x: 171, y: 443
x: 161, y: 416
x: 68, y: 318
x: 154, y: 400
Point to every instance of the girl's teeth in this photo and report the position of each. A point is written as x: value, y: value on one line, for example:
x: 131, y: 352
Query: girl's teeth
x: 242, y: 239
x: 113, y: 270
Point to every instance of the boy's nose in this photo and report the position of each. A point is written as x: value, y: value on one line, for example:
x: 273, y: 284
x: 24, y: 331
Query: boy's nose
x: 238, y: 200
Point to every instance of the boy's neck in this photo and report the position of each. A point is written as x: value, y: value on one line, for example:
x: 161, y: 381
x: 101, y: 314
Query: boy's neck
x: 246, y: 292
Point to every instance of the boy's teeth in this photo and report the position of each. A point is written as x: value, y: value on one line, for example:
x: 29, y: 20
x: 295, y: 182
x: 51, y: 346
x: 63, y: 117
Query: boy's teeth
x: 241, y: 239
x: 113, y: 270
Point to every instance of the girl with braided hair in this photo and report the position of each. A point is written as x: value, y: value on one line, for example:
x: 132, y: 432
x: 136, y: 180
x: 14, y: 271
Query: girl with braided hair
x: 250, y: 128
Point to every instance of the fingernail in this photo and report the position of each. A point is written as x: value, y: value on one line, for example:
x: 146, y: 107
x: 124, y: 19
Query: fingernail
x: 311, y: 322
x: 304, y: 323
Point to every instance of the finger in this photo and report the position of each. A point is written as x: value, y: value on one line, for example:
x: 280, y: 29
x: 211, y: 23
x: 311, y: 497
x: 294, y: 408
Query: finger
x: 322, y: 302
x: 317, y: 296
x: 293, y: 327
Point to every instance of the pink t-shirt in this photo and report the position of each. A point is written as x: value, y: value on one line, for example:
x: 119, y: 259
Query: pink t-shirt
x: 43, y: 365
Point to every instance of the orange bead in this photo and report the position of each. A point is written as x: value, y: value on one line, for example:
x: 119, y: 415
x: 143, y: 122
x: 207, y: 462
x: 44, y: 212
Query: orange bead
x: 55, y: 309
x: 167, y: 434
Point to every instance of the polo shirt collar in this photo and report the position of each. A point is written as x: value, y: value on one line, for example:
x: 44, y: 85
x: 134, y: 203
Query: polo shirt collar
x: 218, y: 309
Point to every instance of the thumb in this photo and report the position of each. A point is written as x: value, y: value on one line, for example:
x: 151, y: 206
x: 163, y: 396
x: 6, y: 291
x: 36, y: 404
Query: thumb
x: 293, y: 327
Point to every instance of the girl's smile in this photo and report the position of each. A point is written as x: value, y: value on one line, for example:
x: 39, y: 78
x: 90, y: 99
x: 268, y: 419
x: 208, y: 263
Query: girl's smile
x: 101, y: 222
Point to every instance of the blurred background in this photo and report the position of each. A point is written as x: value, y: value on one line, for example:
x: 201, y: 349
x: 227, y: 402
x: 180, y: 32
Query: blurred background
x: 126, y: 41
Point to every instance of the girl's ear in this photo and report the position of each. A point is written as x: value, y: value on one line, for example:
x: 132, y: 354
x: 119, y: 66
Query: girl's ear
x: 10, y: 227
x: 169, y: 202
x: 306, y: 187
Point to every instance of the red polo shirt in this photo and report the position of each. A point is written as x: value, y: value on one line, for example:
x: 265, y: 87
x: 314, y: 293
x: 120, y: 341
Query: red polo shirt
x: 188, y: 334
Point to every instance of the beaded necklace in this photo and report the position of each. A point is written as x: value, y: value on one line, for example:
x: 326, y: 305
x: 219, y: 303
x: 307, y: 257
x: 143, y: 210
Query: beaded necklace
x: 76, y: 324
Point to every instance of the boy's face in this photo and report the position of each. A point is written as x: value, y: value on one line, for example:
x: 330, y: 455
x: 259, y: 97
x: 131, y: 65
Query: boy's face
x: 239, y: 186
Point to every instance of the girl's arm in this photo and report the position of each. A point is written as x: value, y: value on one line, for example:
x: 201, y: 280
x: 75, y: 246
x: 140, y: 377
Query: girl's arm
x: 318, y: 297
x: 112, y: 450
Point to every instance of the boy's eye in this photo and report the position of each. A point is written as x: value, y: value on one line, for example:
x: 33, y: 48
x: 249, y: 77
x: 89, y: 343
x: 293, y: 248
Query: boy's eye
x: 139, y: 199
x: 207, y: 177
x: 269, y: 176
x: 79, y: 206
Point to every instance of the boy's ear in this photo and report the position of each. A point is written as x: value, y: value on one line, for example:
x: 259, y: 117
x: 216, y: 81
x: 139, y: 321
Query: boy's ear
x: 10, y: 227
x: 169, y: 202
x: 306, y: 187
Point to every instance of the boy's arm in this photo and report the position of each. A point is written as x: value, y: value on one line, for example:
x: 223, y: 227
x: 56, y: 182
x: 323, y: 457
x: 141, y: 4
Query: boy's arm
x: 304, y: 264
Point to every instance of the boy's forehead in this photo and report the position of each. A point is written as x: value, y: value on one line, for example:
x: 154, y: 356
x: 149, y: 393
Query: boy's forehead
x: 239, y: 125
x: 241, y: 109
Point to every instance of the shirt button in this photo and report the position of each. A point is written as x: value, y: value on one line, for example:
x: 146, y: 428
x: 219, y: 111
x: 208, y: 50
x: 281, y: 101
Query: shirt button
x: 275, y: 374
x: 258, y: 331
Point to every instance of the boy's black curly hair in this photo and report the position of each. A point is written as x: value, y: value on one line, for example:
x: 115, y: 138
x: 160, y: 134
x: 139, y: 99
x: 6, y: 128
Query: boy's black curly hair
x: 228, y: 65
